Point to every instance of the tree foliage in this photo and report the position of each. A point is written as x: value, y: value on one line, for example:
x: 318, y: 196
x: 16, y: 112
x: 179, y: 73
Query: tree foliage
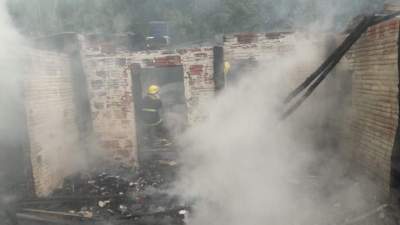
x: 188, y: 19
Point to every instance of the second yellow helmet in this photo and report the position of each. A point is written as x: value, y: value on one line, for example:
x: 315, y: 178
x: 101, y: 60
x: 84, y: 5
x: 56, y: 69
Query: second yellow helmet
x: 227, y: 67
x: 153, y: 89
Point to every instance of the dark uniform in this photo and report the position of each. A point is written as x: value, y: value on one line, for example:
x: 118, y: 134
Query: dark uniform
x: 151, y: 115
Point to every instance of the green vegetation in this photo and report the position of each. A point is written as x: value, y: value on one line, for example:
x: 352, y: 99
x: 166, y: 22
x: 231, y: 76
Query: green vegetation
x: 189, y: 19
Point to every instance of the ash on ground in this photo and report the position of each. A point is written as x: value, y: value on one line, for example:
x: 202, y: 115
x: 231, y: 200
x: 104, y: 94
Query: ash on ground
x: 116, y: 195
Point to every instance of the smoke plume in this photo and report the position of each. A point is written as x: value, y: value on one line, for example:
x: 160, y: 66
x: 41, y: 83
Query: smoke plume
x: 10, y: 97
x: 242, y: 165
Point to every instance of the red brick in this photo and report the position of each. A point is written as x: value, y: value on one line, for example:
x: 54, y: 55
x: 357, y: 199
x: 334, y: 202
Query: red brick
x: 374, y: 111
x: 196, y: 69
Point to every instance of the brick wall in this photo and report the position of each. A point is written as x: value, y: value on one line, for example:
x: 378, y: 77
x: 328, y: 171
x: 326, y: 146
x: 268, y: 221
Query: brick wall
x: 53, y: 132
x: 371, y: 126
x: 255, y: 45
x: 198, y: 73
x: 268, y: 47
x: 112, y: 105
x: 392, y: 7
x: 110, y: 90
x: 111, y: 102
x: 52, y: 128
x: 371, y: 121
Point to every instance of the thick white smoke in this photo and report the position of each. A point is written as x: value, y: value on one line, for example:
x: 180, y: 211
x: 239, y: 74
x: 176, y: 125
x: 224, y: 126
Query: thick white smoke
x: 11, y: 136
x: 10, y: 92
x: 11, y: 45
x: 242, y: 165
x: 22, y: 83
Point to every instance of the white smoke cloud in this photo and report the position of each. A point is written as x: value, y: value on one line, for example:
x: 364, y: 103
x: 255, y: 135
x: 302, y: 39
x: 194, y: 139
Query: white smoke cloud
x: 11, y: 136
x: 10, y: 41
x: 242, y: 165
x: 21, y: 82
x: 11, y: 44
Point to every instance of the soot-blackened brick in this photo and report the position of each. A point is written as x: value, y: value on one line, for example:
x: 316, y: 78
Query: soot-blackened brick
x: 201, y: 55
x: 167, y: 61
x: 246, y: 38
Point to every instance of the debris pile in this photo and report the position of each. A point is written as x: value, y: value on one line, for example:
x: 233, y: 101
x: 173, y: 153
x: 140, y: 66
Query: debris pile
x: 115, y: 196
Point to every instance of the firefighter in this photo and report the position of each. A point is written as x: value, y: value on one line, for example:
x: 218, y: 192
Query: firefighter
x: 151, y: 111
x: 227, y: 67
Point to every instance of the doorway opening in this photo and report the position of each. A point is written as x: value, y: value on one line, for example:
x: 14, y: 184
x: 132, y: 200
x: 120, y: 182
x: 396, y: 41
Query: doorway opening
x: 172, y: 94
x: 240, y: 69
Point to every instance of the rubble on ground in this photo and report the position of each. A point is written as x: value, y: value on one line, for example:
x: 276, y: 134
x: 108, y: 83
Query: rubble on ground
x: 115, y: 195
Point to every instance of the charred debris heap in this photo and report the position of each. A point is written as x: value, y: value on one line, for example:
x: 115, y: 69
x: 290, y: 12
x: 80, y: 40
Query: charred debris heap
x: 110, y: 195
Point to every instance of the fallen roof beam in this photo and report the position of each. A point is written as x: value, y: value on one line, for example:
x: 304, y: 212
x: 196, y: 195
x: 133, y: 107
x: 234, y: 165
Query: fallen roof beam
x: 315, y: 79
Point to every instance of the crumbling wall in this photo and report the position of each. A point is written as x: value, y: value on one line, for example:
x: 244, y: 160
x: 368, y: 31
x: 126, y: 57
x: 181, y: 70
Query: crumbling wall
x: 110, y: 90
x: 198, y: 73
x: 373, y: 117
x: 244, y: 46
x: 51, y: 119
x: 392, y: 7
x: 111, y: 101
x: 199, y: 80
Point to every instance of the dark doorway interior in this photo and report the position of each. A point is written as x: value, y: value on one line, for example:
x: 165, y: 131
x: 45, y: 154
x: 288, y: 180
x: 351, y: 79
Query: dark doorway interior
x: 395, y: 173
x: 172, y: 94
x: 395, y: 159
x: 239, y: 69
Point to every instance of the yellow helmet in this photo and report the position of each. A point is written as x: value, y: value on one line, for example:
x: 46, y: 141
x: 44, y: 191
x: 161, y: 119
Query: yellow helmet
x: 227, y: 67
x: 153, y: 89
